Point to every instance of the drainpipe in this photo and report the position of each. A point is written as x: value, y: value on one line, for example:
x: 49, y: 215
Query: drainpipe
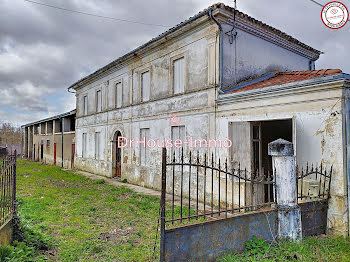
x: 346, y: 145
x: 62, y: 127
x: 220, y: 49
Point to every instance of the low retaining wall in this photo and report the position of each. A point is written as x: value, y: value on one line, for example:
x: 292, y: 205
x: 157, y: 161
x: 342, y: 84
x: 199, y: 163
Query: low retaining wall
x: 209, y: 240
x: 6, y: 233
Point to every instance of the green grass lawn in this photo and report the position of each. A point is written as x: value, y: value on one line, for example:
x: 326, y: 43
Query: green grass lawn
x: 88, y: 220
x: 72, y: 218
x: 310, y: 249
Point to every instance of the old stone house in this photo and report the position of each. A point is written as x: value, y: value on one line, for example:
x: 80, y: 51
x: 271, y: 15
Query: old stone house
x: 225, y: 75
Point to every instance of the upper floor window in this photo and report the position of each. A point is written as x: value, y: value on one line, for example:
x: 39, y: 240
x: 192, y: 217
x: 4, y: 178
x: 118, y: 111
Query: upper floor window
x: 85, y: 105
x: 98, y: 101
x: 118, y: 95
x: 145, y: 86
x: 178, y: 76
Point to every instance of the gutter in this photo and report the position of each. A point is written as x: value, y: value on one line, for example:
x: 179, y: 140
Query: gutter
x: 220, y: 48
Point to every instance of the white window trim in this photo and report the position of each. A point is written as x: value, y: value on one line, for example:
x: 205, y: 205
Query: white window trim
x: 115, y: 93
x: 171, y: 72
x: 144, y: 70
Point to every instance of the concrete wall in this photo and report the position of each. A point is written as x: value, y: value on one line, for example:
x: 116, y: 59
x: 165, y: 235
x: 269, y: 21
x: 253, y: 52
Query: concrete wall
x: 209, y: 240
x: 248, y: 57
x: 6, y: 233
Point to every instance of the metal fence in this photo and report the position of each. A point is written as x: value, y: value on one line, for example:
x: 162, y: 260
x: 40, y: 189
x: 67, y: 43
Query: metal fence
x: 7, y: 188
x: 313, y: 182
x: 200, y: 188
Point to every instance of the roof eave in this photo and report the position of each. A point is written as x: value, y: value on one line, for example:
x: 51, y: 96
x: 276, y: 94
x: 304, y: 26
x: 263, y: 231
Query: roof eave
x: 69, y: 113
x: 169, y: 34
x: 226, y: 98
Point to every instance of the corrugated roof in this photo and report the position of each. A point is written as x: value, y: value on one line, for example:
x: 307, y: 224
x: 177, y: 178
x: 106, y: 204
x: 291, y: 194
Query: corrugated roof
x: 188, y: 21
x: 69, y: 113
x: 282, y: 78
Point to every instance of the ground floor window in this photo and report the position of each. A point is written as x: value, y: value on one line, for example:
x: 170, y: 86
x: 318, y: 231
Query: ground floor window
x: 98, y: 145
x: 84, y: 145
x: 144, y: 135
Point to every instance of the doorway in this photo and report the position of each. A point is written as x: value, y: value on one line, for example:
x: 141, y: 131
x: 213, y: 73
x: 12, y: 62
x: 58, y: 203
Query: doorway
x: 41, y: 152
x: 117, y: 156
x: 263, y: 133
x: 249, y: 149
x: 54, y: 153
x: 73, y: 154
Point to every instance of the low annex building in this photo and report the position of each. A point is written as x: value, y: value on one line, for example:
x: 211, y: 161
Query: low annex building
x: 45, y: 139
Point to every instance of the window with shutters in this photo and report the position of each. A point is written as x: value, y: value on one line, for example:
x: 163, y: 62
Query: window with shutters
x: 144, y: 136
x: 98, y: 145
x: 178, y: 132
x: 178, y: 76
x: 85, y: 105
x: 98, y: 101
x: 118, y: 95
x: 145, y: 86
x: 84, y: 145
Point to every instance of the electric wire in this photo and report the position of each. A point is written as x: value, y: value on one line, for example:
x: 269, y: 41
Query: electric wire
x: 95, y: 15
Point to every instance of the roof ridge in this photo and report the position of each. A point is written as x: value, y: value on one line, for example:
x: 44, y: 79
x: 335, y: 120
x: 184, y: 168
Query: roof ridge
x: 320, y: 72
x: 218, y: 5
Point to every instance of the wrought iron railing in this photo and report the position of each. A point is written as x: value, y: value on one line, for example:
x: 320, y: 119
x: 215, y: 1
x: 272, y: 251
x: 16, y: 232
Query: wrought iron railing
x: 7, y: 188
x: 314, y: 182
x: 196, y: 187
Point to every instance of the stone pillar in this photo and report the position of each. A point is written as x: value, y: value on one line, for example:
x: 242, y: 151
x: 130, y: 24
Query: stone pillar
x: 289, y: 216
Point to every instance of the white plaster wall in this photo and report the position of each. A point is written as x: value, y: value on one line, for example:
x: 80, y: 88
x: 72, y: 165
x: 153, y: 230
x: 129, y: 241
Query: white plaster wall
x: 255, y: 57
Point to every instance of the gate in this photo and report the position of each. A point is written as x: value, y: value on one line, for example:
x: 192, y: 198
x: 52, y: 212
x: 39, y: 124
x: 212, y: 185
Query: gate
x: 313, y: 195
x: 208, y: 209
x: 7, y: 188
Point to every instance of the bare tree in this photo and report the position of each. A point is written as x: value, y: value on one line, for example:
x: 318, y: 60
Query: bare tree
x: 9, y: 133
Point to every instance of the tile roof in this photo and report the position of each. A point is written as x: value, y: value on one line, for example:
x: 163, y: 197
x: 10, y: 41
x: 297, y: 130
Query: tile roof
x: 281, y: 78
x: 188, y: 21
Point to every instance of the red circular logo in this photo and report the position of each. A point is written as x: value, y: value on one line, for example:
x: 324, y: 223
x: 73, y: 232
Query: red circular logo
x: 335, y: 15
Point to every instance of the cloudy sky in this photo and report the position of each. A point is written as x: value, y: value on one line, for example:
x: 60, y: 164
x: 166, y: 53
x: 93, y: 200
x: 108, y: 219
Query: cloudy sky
x: 44, y: 50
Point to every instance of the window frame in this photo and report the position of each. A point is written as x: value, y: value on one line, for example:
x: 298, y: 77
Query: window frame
x: 147, y: 129
x: 97, y: 146
x: 116, y: 93
x: 171, y: 75
x: 96, y: 94
x: 85, y: 105
x: 84, y: 145
x: 140, y: 73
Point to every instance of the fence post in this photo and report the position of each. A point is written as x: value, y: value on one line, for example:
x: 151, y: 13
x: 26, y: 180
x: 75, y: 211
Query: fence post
x: 162, y: 207
x: 14, y: 183
x: 283, y: 161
